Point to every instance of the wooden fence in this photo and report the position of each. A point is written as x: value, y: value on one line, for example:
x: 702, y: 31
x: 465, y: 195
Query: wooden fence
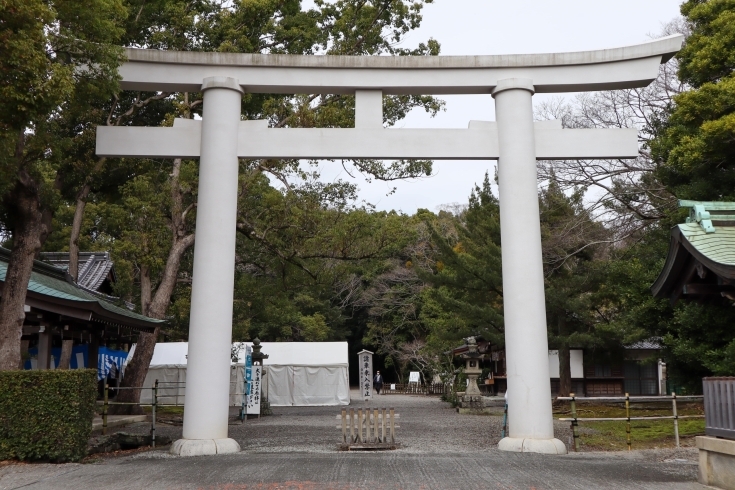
x: 415, y: 389
x: 627, y: 399
x: 719, y: 407
x: 368, y: 429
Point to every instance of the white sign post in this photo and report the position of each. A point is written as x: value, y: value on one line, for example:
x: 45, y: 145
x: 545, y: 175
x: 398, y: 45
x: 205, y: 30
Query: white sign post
x: 414, y: 377
x: 365, y: 362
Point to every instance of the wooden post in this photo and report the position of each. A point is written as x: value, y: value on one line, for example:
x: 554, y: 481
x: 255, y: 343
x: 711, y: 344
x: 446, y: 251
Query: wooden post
x: 575, y: 430
x: 392, y: 425
x: 359, y: 425
x: 352, y: 425
x: 376, y: 434
x: 344, y: 425
x: 676, y: 418
x: 153, y: 414
x: 93, y: 351
x: 23, y: 353
x: 44, y: 348
x: 627, y: 415
x: 66, y: 348
x: 104, y: 411
x: 382, y: 438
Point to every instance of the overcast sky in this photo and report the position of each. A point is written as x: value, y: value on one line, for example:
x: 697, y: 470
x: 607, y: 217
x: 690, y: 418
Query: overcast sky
x: 477, y: 27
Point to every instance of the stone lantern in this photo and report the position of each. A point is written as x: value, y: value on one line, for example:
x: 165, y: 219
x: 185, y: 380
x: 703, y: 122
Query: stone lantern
x: 472, y: 397
x: 258, y: 356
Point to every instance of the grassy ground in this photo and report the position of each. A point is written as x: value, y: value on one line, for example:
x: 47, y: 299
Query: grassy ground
x: 644, y: 434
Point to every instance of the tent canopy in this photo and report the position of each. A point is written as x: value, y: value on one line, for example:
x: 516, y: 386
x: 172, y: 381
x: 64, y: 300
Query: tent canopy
x: 279, y: 353
x: 170, y: 354
x: 302, y: 353
x: 295, y: 373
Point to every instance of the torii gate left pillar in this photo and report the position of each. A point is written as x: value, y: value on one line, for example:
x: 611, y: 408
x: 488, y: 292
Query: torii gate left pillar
x: 210, y: 325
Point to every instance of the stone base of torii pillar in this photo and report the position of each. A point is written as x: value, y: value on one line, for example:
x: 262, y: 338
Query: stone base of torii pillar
x: 204, y: 447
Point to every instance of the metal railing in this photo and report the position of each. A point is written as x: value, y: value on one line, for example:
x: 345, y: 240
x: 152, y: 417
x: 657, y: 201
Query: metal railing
x: 719, y: 407
x: 106, y: 404
x: 156, y: 398
x: 627, y: 419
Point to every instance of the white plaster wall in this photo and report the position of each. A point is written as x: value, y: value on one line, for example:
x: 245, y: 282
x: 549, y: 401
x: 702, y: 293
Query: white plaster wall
x: 576, y: 359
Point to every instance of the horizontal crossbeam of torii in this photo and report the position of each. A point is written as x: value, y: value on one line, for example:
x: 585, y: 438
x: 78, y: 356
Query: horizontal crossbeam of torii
x: 256, y: 140
x: 220, y: 138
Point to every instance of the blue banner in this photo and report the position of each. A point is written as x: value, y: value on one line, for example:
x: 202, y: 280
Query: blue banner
x: 80, y: 359
x: 248, y: 371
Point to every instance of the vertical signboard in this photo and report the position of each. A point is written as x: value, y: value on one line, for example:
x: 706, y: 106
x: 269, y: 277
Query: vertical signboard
x: 365, y: 361
x: 254, y: 394
x: 246, y: 380
x: 248, y: 369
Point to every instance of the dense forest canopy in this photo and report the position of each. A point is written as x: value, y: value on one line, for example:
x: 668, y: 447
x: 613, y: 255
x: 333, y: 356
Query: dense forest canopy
x: 312, y: 262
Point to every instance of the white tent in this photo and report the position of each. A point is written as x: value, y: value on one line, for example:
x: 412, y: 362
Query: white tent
x: 306, y: 373
x: 295, y: 374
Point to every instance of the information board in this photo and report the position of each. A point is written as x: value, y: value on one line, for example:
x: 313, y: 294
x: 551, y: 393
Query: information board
x: 366, y: 373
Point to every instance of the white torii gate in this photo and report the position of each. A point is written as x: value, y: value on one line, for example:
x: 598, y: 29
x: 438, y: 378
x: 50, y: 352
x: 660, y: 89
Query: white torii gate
x: 220, y: 138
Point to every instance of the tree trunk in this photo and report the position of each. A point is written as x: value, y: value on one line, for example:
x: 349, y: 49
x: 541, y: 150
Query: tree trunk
x: 30, y: 228
x: 159, y: 304
x: 156, y: 306
x: 23, y: 353
x: 145, y: 289
x: 565, y: 371
x: 65, y: 358
x: 135, y: 374
x: 565, y: 367
x: 76, y: 228
x: 137, y: 367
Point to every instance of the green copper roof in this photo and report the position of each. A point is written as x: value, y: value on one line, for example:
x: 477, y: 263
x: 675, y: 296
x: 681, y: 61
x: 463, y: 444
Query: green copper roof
x: 701, y: 258
x: 51, y: 282
x: 718, y: 247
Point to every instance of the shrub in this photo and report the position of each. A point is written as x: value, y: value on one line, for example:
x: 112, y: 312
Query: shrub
x: 46, y: 415
x: 451, y: 398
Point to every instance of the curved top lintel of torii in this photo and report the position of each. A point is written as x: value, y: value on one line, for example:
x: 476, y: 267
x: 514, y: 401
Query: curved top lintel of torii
x: 605, y: 69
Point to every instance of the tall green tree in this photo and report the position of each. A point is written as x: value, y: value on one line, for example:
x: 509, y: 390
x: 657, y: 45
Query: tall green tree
x: 696, y: 160
x: 466, y: 297
x: 54, y: 57
x: 573, y: 244
x: 154, y: 259
x: 694, y: 146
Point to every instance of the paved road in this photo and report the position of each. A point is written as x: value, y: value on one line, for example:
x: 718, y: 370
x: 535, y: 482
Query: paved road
x: 347, y: 471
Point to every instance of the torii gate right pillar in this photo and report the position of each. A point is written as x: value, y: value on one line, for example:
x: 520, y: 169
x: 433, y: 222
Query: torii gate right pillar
x: 526, y: 345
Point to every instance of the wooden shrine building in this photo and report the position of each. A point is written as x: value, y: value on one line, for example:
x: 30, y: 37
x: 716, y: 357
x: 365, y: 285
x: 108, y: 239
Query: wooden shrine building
x: 701, y: 260
x: 57, y: 309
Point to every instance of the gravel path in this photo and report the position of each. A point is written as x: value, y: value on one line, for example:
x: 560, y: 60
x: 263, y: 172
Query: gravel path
x: 427, y: 426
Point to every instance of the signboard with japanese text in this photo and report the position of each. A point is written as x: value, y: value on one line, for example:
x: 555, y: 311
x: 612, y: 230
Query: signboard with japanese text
x: 365, y: 361
x: 414, y: 377
x: 254, y: 394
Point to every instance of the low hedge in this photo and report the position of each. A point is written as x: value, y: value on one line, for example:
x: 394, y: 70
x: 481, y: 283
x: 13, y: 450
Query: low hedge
x: 46, y: 415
